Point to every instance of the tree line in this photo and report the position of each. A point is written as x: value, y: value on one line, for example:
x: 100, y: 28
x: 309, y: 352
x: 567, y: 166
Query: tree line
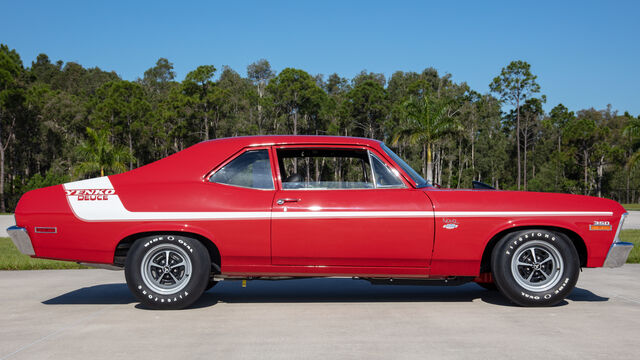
x: 61, y: 121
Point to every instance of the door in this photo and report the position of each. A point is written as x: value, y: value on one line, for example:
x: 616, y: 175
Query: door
x: 346, y: 207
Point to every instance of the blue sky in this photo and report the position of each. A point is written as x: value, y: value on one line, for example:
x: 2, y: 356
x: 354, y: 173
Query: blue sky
x: 585, y: 53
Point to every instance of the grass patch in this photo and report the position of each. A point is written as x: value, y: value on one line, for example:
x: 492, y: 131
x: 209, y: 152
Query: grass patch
x: 631, y: 207
x: 12, y: 259
x: 632, y: 236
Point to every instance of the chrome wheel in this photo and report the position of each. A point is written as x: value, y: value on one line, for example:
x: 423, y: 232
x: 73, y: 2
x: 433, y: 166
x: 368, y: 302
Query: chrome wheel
x: 166, y: 269
x: 537, y: 266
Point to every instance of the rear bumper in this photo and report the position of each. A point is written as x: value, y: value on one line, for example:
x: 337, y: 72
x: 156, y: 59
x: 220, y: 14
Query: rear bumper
x: 21, y: 239
x: 619, y: 250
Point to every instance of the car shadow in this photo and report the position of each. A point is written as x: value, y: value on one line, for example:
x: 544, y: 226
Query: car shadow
x: 309, y: 291
x: 105, y: 294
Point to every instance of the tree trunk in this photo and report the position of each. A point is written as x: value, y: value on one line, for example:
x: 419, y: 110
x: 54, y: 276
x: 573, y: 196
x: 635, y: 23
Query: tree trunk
x: 585, y: 163
x: 206, y: 128
x: 424, y: 160
x: 525, y: 162
x: 450, y: 173
x: 518, y: 137
x: 600, y: 174
x: 2, y: 206
x: 473, y: 152
x: 130, y: 151
x: 459, y: 163
x: 557, y: 166
x: 295, y: 123
x: 429, y: 164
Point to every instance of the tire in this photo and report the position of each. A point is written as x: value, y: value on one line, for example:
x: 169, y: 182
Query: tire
x: 211, y: 283
x: 543, y: 281
x: 488, y: 286
x: 176, y: 286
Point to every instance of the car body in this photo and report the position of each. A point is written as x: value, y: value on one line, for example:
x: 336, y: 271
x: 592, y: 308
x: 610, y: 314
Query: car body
x: 308, y: 206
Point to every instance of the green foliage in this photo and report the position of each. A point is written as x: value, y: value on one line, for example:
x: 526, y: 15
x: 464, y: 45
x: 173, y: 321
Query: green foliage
x: 12, y: 259
x: 455, y: 134
x: 632, y: 236
x: 515, y: 82
x: 100, y: 156
x: 366, y: 108
x: 296, y: 99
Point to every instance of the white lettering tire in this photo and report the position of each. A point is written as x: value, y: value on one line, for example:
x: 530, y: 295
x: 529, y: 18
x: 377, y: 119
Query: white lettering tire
x: 535, y: 267
x: 167, y: 271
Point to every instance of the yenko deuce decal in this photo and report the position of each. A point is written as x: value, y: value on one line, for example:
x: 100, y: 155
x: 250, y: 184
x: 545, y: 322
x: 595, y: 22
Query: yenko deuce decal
x: 105, y: 205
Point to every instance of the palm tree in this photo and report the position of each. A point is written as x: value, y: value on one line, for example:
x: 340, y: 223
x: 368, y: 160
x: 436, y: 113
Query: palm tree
x: 427, y: 121
x: 633, y: 130
x: 100, y: 155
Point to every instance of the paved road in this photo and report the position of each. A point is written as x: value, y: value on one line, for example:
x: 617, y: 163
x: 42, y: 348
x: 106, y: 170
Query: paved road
x: 632, y: 222
x: 80, y: 314
x: 5, y: 222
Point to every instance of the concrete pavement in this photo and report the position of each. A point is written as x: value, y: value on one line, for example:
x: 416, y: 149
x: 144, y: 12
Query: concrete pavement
x: 79, y: 314
x: 632, y: 221
x: 5, y: 222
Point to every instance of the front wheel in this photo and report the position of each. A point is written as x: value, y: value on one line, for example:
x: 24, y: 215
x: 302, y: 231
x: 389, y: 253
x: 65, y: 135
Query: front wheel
x: 535, y: 267
x: 167, y: 271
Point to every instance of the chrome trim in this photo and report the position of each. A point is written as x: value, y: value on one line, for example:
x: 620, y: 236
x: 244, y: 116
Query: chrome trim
x: 618, y: 254
x: 39, y: 230
x: 619, y: 250
x: 21, y: 239
x: 616, y: 237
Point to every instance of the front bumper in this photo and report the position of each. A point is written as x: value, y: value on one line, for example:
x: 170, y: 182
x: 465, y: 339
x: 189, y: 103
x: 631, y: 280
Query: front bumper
x: 21, y: 239
x: 619, y: 250
x: 618, y: 254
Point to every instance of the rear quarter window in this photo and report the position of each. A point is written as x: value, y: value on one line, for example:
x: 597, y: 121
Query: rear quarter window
x: 251, y: 170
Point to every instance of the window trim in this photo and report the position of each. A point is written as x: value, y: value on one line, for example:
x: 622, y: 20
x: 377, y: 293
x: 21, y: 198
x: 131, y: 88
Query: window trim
x: 396, y: 174
x: 369, y: 150
x: 207, y: 177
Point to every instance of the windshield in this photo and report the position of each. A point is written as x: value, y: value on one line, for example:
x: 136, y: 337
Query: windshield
x: 420, y: 182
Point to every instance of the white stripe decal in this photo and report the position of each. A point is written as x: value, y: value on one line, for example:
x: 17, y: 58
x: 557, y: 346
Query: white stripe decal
x: 112, y: 209
x: 521, y: 213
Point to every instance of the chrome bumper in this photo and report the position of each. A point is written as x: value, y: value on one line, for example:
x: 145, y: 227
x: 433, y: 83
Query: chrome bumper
x: 21, y: 239
x: 618, y: 254
x: 619, y: 250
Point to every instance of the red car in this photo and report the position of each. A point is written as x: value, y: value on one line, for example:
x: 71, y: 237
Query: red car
x: 277, y: 207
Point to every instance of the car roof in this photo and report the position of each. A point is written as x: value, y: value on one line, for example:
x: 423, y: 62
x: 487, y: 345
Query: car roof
x: 266, y: 140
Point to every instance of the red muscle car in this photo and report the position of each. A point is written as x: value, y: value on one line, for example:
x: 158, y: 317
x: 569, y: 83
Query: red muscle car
x: 277, y: 207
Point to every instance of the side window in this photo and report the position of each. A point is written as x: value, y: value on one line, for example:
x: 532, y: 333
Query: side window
x: 385, y: 177
x: 250, y: 170
x: 325, y: 169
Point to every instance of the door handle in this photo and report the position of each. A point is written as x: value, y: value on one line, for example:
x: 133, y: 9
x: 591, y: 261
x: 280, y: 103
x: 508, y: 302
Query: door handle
x: 286, y: 200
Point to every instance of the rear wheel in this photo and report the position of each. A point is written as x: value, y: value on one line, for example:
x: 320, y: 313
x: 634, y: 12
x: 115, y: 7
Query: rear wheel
x: 167, y: 271
x: 488, y: 286
x: 535, y: 267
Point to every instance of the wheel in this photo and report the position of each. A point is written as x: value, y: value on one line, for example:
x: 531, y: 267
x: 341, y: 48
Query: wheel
x: 167, y: 271
x: 535, y: 267
x: 488, y: 286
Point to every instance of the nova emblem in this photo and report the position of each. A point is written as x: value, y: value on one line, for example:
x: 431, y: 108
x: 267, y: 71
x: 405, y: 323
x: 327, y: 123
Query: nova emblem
x: 450, y: 224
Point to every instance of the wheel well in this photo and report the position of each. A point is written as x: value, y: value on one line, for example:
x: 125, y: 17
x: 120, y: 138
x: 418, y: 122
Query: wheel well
x: 122, y: 249
x: 578, y: 243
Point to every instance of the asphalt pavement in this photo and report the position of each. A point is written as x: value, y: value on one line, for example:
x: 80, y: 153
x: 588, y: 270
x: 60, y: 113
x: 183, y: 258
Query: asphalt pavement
x: 81, y: 314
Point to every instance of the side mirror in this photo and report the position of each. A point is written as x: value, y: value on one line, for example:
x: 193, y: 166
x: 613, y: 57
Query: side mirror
x: 481, y: 186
